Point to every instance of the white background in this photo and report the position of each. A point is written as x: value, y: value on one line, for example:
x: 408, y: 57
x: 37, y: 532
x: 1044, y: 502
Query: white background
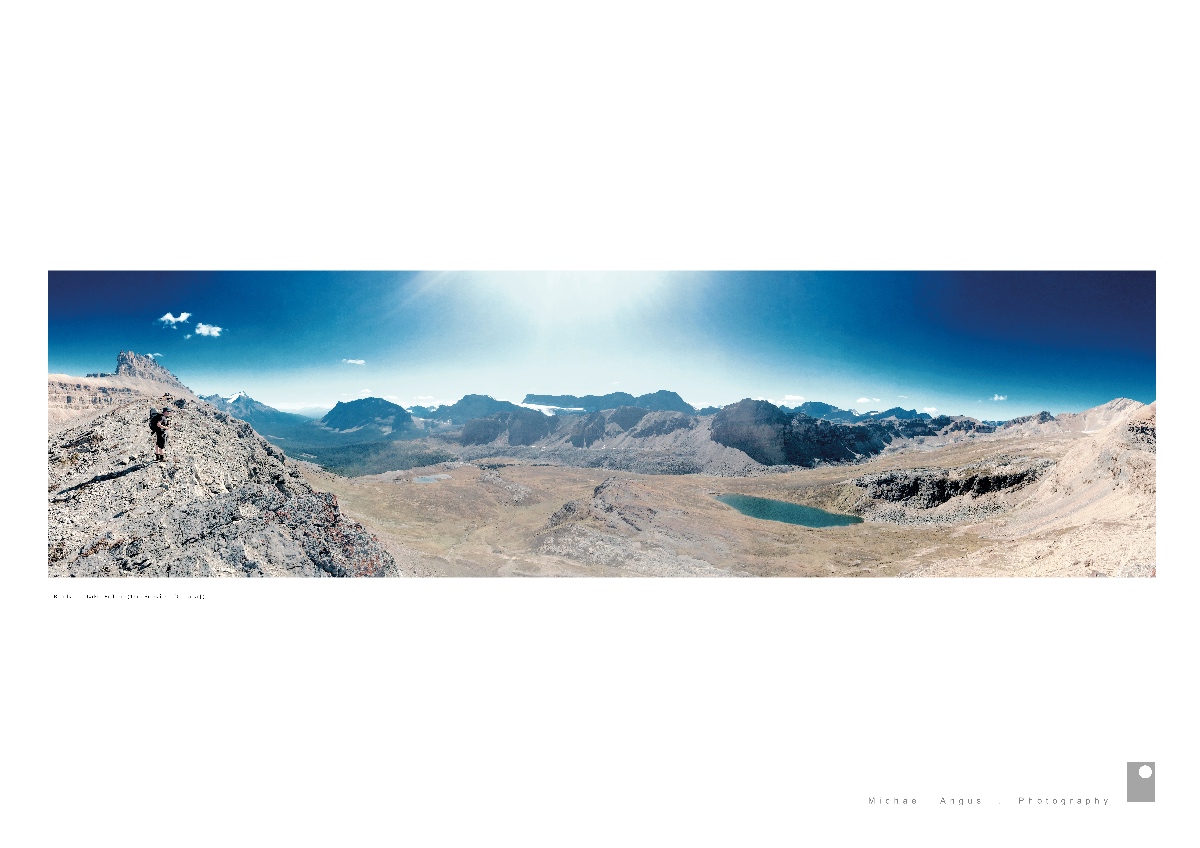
x: 618, y: 136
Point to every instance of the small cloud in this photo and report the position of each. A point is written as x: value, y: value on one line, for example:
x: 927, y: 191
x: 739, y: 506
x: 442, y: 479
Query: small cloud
x: 929, y: 409
x: 875, y: 400
x: 422, y: 397
x: 170, y: 320
x: 208, y: 329
x: 863, y: 400
x: 153, y: 355
x: 904, y: 396
x: 355, y: 361
x: 188, y: 336
x: 392, y: 398
x: 999, y: 397
x: 794, y: 398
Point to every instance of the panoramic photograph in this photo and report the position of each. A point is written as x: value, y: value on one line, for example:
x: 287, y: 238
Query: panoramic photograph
x: 601, y: 424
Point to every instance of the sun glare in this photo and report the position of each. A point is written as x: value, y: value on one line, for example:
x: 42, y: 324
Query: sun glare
x: 566, y: 298
x: 548, y: 302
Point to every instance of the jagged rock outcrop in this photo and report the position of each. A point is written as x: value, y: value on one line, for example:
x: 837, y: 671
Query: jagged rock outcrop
x: 135, y: 366
x: 925, y: 488
x: 75, y: 399
x: 612, y: 503
x: 618, y: 527
x: 227, y: 503
x: 519, y: 492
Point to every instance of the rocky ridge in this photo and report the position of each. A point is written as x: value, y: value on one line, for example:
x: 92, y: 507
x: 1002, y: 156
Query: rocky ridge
x: 227, y: 503
x: 1092, y: 514
x: 946, y: 495
x: 658, y: 443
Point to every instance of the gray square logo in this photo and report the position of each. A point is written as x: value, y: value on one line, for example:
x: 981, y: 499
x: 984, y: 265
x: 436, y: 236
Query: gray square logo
x: 1139, y: 781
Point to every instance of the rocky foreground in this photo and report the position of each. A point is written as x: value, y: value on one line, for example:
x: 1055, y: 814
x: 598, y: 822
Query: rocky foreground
x: 226, y: 504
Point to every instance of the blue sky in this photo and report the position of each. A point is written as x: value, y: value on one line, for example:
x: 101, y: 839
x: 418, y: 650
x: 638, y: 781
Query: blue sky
x: 987, y: 344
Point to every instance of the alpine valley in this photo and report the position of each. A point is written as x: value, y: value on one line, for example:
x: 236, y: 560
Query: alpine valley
x: 592, y: 485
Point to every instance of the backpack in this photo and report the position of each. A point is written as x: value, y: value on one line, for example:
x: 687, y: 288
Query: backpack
x: 155, y: 417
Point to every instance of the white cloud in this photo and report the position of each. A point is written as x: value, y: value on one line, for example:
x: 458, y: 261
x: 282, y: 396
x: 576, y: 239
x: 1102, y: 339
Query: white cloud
x: 794, y: 398
x: 422, y: 397
x: 1000, y: 397
x: 153, y: 355
x: 930, y: 409
x: 188, y: 336
x: 392, y: 398
x: 876, y: 400
x: 904, y: 396
x: 355, y: 361
x: 208, y: 330
x: 863, y: 400
x: 170, y: 320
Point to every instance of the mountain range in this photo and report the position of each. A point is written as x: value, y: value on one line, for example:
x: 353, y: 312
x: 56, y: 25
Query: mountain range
x: 1040, y: 494
x: 656, y: 432
x: 661, y: 400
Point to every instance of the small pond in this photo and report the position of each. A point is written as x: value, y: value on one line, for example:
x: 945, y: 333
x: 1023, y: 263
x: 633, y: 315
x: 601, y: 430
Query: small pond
x: 788, y: 513
x: 431, y: 478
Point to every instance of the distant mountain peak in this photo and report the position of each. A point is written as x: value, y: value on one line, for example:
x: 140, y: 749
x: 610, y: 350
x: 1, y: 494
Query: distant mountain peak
x: 130, y: 364
x: 371, y: 411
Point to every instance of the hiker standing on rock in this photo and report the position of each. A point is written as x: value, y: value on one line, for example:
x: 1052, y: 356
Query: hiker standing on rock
x: 159, y: 422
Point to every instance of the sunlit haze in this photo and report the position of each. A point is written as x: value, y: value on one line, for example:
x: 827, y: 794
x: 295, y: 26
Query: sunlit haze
x: 989, y: 345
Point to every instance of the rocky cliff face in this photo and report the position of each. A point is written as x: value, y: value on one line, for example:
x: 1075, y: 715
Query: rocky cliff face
x: 1092, y: 514
x: 227, y: 504
x: 71, y: 400
x: 773, y: 437
x: 138, y: 367
x: 946, y: 495
x: 519, y: 427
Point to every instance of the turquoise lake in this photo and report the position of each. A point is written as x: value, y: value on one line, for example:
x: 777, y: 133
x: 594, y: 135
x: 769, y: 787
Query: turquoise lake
x: 788, y: 513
